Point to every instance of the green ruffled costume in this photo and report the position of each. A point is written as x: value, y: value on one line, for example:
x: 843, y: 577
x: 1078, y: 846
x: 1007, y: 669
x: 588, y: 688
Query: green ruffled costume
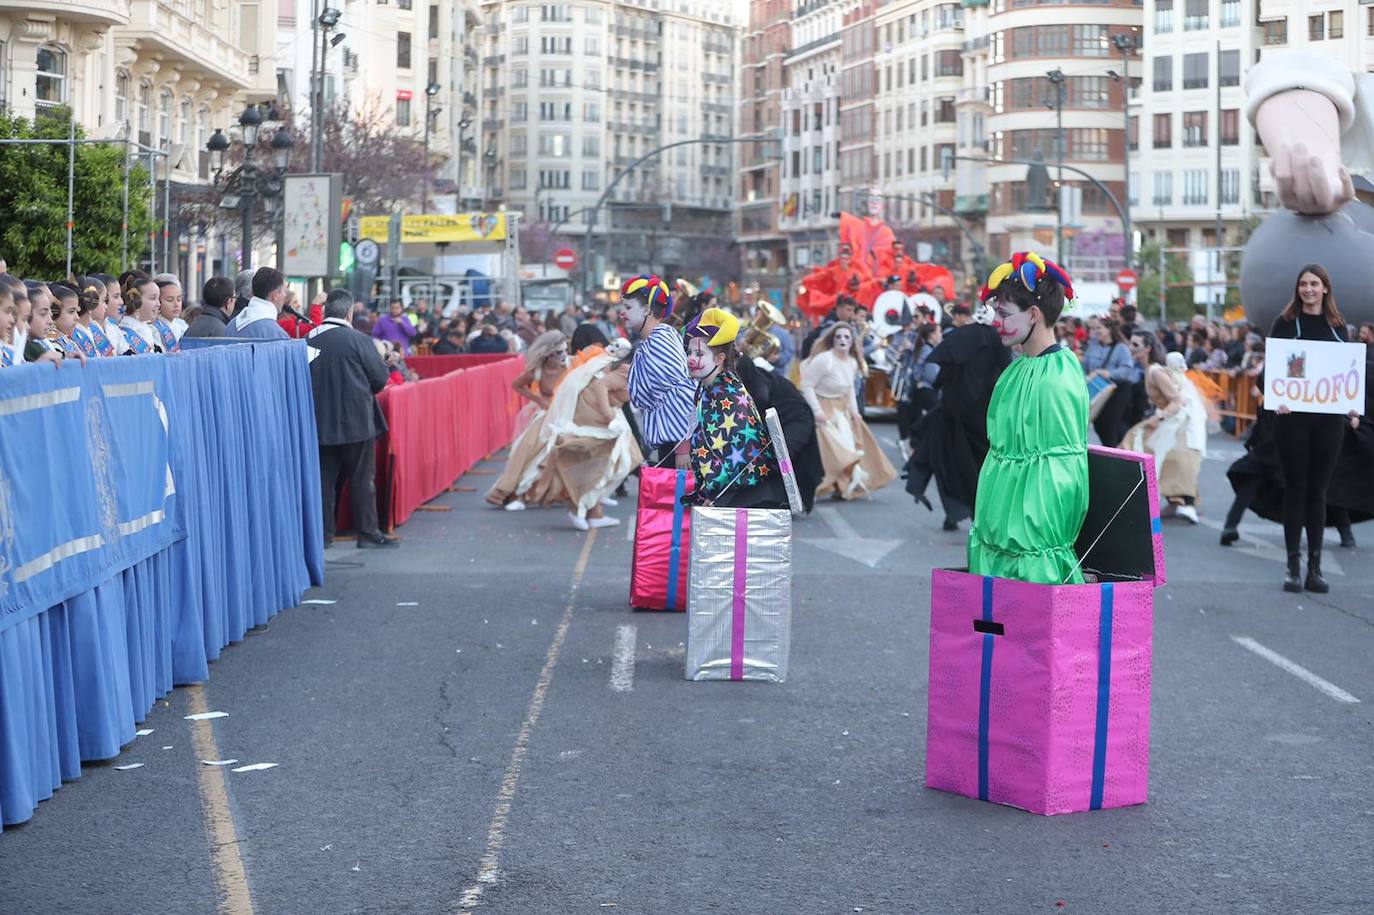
x: 1033, y: 489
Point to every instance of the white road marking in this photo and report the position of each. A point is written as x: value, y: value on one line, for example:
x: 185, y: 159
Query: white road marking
x: 1302, y: 673
x: 630, y: 530
x: 1265, y: 549
x: 847, y: 542
x: 496, y: 831
x: 623, y: 664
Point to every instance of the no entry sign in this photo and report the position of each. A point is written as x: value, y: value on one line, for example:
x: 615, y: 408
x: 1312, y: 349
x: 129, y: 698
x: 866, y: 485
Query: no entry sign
x: 565, y: 258
x: 1125, y: 280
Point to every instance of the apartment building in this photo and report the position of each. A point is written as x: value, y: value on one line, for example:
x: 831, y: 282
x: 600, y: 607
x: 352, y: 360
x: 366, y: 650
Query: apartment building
x: 574, y: 94
x: 1199, y: 165
x: 765, y: 45
x: 809, y: 183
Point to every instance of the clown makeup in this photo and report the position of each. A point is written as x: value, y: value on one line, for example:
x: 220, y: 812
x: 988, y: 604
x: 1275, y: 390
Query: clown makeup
x: 67, y: 309
x: 702, y: 362
x: 1012, y: 324
x: 634, y: 313
x: 558, y: 358
x: 842, y: 340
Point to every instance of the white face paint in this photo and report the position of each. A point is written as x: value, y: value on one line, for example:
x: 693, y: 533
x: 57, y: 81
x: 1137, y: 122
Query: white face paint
x: 1012, y: 324
x: 840, y: 343
x: 633, y: 312
x: 701, y: 362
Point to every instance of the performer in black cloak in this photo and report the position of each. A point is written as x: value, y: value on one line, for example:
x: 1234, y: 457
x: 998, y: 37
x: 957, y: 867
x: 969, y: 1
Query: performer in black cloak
x: 952, y: 439
x: 1257, y: 477
x: 798, y: 423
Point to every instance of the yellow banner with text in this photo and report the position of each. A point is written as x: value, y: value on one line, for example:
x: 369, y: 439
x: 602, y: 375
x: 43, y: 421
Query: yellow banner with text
x: 437, y: 228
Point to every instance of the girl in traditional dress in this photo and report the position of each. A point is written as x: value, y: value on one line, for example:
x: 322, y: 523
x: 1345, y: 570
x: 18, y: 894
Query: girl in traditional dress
x: 1033, y: 488
x: 853, y: 461
x: 169, y: 313
x: 68, y: 306
x: 141, y: 304
x: 114, y: 311
x: 546, y: 362
x: 1177, y: 432
x: 731, y: 460
x: 93, y: 321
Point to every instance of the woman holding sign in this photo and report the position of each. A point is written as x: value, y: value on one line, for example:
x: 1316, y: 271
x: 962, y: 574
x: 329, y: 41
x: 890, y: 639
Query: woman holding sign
x: 1308, y: 443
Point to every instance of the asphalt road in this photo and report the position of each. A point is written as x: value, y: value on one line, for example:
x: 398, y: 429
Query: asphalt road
x: 448, y: 738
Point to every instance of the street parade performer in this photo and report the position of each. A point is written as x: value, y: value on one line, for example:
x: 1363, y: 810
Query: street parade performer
x: 732, y: 462
x: 771, y: 390
x: 1033, y: 488
x: 546, y: 362
x: 853, y: 461
x: 659, y: 386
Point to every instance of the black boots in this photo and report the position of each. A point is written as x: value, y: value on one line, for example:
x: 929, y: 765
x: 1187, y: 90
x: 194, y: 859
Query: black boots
x: 1314, y: 583
x: 1229, y: 535
x: 1347, y: 536
x: 1292, y: 582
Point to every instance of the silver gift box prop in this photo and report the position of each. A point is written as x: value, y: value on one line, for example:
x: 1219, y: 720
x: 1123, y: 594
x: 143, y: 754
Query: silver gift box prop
x: 739, y: 594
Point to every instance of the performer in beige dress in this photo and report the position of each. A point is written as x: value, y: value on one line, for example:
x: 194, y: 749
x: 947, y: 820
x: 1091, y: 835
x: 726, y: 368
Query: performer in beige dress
x: 1176, y: 434
x: 853, y: 461
x: 546, y: 362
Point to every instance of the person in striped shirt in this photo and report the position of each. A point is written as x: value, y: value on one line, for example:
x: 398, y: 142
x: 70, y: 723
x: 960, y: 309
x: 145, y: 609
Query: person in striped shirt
x: 660, y: 387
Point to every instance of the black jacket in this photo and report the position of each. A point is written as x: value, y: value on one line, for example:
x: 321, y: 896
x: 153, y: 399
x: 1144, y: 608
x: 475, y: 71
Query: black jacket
x: 210, y: 323
x: 346, y: 373
x: 487, y: 344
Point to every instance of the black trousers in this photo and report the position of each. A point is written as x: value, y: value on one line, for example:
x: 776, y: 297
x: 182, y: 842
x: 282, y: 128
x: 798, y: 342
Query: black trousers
x: 356, y: 465
x: 1110, y: 424
x: 1309, y: 444
x: 910, y: 411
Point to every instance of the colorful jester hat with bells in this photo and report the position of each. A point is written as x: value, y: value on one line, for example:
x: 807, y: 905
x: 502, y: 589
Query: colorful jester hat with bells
x: 652, y: 290
x: 715, y: 325
x: 1030, y: 270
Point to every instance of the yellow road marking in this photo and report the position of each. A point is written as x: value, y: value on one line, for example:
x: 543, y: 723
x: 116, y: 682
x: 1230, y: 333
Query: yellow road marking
x: 496, y: 832
x: 231, y: 879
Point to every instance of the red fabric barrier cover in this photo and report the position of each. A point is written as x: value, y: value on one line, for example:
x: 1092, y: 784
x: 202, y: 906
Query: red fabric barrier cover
x: 440, y: 427
x: 438, y: 366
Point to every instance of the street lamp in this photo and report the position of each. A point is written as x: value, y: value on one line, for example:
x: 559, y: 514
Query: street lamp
x: 1126, y: 44
x: 241, y: 188
x: 430, y: 91
x: 324, y: 23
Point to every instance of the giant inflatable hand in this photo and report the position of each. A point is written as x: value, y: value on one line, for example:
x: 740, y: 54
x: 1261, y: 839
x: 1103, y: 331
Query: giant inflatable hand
x: 1300, y: 129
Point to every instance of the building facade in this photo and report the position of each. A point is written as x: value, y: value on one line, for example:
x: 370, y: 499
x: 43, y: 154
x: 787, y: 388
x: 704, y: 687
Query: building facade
x: 765, y: 46
x: 574, y: 94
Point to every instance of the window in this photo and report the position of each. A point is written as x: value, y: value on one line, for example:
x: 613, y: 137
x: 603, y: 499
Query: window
x: 1133, y: 198
x: 555, y: 111
x: 949, y: 63
x: 555, y: 145
x: 944, y: 112
x: 522, y: 14
x: 1335, y: 24
x: 1194, y: 15
x: 164, y: 118
x: 592, y: 80
x: 1316, y: 27
x: 1164, y: 16
x: 50, y: 88
x: 403, y: 50
x: 1275, y: 32
x: 519, y: 112
x: 1195, y: 71
x: 1195, y: 187
x: 1089, y: 143
x: 521, y: 46
x: 1230, y: 185
x: 145, y: 108
x: 592, y: 15
x: 520, y: 78
x: 186, y: 122
x: 1369, y: 23
x: 121, y: 97
x: 556, y: 44
x: 1164, y: 73
x: 403, y: 112
x: 1163, y: 131
x: 1194, y: 128
x: 1228, y: 66
x: 433, y: 21
x: 404, y: 4
x: 591, y: 180
x: 555, y: 12
x: 593, y: 45
x: 517, y: 179
x: 1230, y: 127
x: 591, y: 146
x: 1230, y: 13
x: 432, y: 71
x: 557, y: 178
x: 1163, y: 188
x: 1133, y: 133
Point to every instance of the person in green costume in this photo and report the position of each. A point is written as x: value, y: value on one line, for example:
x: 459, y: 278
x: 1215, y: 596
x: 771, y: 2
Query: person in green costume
x: 1033, y: 488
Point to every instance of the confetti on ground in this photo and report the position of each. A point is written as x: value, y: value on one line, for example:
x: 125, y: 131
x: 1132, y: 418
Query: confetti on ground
x: 408, y: 603
x: 143, y: 733
x: 168, y: 747
x: 255, y: 767
x: 319, y: 600
x: 206, y: 716
x: 219, y: 762
x: 128, y: 767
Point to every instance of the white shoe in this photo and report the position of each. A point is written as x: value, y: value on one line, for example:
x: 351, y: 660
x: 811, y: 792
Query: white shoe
x: 605, y: 521
x: 582, y: 524
x: 1188, y: 513
x: 516, y: 506
x: 609, y: 502
x: 905, y: 448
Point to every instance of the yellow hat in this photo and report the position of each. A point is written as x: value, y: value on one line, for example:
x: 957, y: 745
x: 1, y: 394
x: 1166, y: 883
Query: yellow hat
x: 716, y: 325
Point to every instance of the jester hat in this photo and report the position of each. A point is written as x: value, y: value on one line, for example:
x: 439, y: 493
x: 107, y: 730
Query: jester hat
x: 651, y: 289
x: 715, y: 325
x: 1029, y: 270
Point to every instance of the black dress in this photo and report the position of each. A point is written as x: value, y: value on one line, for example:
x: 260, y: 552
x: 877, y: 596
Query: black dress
x: 798, y: 423
x: 952, y: 439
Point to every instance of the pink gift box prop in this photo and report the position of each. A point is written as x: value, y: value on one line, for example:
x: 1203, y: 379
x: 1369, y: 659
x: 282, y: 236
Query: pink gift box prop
x: 663, y: 540
x: 1040, y: 694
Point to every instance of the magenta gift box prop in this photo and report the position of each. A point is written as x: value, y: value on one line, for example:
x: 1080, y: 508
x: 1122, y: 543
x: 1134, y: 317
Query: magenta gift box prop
x: 1040, y: 694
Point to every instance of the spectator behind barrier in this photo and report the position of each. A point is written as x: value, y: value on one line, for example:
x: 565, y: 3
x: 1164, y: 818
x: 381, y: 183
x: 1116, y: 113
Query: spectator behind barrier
x: 488, y: 341
x: 218, y: 298
x: 259, y: 320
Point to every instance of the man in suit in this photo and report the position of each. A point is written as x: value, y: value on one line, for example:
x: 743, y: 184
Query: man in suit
x: 258, y: 321
x: 346, y: 374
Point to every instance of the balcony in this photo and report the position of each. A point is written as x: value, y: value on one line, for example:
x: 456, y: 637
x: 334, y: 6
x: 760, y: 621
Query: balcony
x: 715, y: 171
x: 971, y: 204
x: 80, y: 10
x: 974, y: 94
x: 493, y: 60
x: 975, y: 44
x: 971, y: 4
x: 161, y: 30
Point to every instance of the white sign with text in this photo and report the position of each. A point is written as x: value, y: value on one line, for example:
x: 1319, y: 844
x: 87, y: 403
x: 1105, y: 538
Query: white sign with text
x: 1309, y: 376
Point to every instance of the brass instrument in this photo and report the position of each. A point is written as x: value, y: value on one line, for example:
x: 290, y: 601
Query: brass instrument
x: 755, y: 339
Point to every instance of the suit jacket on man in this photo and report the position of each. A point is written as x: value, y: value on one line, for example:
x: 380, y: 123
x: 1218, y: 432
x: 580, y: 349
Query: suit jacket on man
x: 346, y: 373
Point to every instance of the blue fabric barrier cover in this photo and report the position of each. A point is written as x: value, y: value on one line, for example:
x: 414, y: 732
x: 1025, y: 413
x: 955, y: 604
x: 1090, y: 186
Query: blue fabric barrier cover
x: 152, y: 510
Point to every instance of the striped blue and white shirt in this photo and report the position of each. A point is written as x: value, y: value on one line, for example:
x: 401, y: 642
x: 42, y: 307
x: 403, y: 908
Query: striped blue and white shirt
x: 661, y: 389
